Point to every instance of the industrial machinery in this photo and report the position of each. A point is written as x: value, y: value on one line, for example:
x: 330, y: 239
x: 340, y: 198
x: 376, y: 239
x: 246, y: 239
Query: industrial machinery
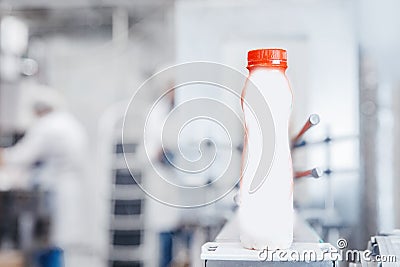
x: 307, y: 249
x: 383, y: 250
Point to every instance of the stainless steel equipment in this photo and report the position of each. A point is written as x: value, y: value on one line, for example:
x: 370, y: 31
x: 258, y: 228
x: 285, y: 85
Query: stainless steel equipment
x: 383, y: 250
x: 227, y: 250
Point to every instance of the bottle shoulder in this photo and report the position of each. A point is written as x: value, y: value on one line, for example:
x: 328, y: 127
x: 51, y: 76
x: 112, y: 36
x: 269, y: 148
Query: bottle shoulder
x: 271, y: 83
x: 268, y: 76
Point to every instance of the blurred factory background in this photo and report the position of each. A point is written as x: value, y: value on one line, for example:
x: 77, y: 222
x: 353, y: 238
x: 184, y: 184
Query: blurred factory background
x: 88, y: 58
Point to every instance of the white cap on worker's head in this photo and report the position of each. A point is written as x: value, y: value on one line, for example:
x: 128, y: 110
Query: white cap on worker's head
x: 47, y: 98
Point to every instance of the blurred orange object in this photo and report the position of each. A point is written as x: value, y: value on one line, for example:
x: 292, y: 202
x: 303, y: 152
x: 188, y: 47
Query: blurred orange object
x: 11, y: 258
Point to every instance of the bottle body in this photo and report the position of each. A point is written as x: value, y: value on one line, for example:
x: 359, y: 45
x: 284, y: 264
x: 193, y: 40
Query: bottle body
x: 266, y: 214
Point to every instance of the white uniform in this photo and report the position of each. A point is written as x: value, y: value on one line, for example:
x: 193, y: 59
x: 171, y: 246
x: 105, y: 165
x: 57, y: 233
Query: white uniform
x: 58, y: 141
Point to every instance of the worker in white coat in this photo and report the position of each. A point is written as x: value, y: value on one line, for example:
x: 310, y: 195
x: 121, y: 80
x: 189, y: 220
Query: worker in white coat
x: 59, y: 142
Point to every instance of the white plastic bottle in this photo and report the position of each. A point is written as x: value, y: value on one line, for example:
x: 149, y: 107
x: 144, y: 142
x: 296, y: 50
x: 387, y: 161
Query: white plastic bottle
x: 266, y: 214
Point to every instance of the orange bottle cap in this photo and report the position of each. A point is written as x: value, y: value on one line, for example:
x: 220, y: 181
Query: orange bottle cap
x: 271, y: 57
